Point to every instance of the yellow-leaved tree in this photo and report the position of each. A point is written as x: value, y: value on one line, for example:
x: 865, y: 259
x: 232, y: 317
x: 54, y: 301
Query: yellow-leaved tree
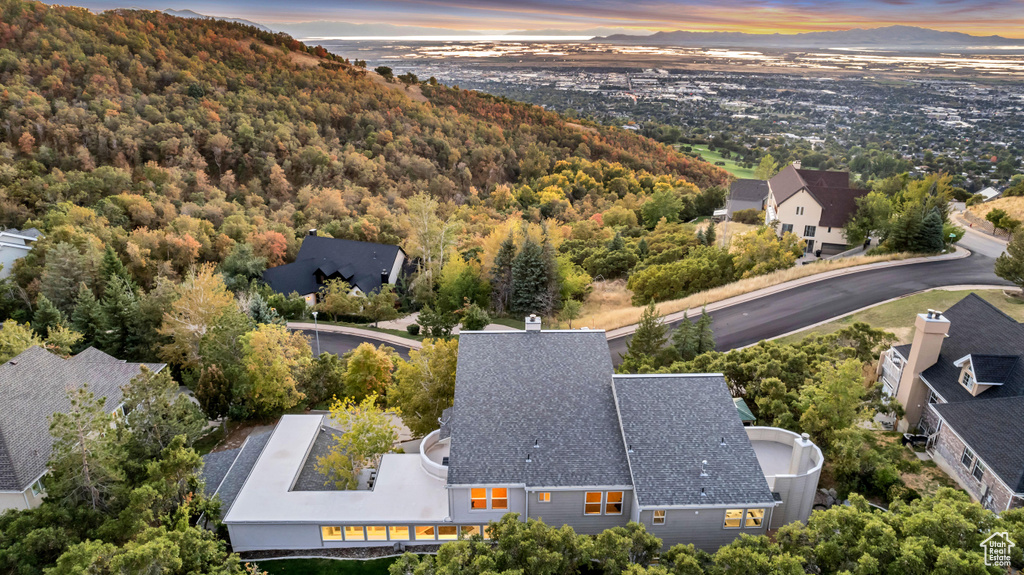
x: 367, y: 433
x: 274, y: 358
x: 202, y: 300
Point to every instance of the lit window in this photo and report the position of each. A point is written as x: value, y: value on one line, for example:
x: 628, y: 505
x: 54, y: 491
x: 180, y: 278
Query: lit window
x: 399, y: 533
x: 37, y: 488
x: 478, y: 498
x: 499, y: 498
x: 613, y: 503
x: 979, y: 470
x: 733, y: 518
x: 544, y: 497
x: 754, y: 517
x: 659, y: 517
x: 967, y: 458
x: 593, y: 504
x: 376, y: 533
x: 487, y: 531
x: 447, y: 532
x: 424, y: 532
x: 354, y: 533
x: 330, y: 533
x: 467, y: 531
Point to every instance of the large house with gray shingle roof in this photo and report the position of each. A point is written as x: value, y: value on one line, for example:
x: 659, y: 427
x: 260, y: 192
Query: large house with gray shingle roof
x: 34, y: 386
x: 542, y: 427
x: 813, y: 204
x: 961, y: 383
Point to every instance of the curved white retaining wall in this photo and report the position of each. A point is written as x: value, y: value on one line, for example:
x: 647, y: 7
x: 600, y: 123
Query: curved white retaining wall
x: 434, y: 469
x: 797, y: 490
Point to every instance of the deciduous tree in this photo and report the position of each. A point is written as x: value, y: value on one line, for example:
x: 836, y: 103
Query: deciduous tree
x: 202, y: 301
x: 367, y: 434
x: 273, y: 359
x: 425, y: 384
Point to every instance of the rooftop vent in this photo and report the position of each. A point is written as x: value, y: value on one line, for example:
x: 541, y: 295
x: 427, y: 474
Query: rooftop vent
x: 703, y: 492
x: 629, y: 449
x: 533, y: 323
x: 536, y: 443
x: 528, y: 459
x: 723, y: 442
x: 704, y: 469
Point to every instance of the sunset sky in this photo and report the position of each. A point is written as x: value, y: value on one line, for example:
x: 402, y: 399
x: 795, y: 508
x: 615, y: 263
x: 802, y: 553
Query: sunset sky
x: 979, y: 17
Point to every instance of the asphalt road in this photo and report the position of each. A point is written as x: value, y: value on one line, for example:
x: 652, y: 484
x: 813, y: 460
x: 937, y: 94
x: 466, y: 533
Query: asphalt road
x: 782, y: 312
x: 749, y: 322
x: 339, y: 343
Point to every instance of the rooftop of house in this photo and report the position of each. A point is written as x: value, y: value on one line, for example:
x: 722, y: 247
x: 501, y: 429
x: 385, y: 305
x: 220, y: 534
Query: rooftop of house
x: 402, y: 492
x: 830, y: 189
x: 515, y: 390
x: 358, y: 263
x: 685, y: 442
x: 34, y: 386
x: 994, y: 341
x: 748, y: 190
x: 990, y: 427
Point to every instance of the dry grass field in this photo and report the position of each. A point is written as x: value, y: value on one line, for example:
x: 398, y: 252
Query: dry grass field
x: 1013, y: 206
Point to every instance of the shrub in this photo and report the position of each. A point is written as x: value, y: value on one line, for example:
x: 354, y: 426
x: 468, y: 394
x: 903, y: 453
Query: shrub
x: 748, y: 216
x: 413, y: 328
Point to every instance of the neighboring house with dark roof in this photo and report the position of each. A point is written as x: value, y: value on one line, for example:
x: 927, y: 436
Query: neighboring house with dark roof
x: 961, y: 383
x: 813, y: 204
x: 14, y: 245
x: 365, y: 266
x: 33, y: 386
x: 746, y: 195
x: 541, y: 426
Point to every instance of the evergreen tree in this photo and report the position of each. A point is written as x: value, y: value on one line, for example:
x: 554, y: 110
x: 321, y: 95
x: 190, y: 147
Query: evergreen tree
x: 111, y: 266
x: 642, y: 249
x: 119, y: 335
x: 552, y: 296
x: 1010, y: 265
x: 87, y: 316
x: 650, y: 335
x: 705, y: 337
x: 65, y: 268
x: 529, y: 280
x: 214, y: 392
x: 929, y: 236
x: 617, y: 243
x: 47, y: 316
x: 501, y: 275
x: 685, y: 339
x: 709, y: 234
x: 700, y: 237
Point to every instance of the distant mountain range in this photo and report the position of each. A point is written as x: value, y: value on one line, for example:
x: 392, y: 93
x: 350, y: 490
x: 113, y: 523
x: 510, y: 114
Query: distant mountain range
x: 328, y: 28
x: 593, y: 32
x: 193, y: 14
x: 889, y: 37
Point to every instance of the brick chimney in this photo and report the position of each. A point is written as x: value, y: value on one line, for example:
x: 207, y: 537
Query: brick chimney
x: 930, y: 331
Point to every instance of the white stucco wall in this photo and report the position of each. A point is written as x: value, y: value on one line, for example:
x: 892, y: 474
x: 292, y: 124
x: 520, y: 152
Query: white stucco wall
x: 786, y: 213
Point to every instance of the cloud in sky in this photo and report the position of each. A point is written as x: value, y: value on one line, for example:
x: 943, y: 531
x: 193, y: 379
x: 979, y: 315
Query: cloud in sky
x: 980, y: 17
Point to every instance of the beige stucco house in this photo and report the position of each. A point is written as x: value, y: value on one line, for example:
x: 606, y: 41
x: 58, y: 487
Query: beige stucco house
x: 813, y: 204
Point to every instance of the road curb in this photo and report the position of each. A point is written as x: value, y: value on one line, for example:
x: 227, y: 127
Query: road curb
x: 363, y: 333
x: 890, y: 300
x: 960, y: 253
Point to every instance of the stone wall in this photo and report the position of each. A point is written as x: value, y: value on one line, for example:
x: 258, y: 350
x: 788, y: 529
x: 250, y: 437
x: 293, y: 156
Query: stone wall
x: 947, y: 451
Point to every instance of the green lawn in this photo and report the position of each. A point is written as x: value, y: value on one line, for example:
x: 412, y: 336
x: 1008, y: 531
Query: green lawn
x: 513, y: 323
x: 326, y: 566
x: 730, y: 166
x: 898, y: 316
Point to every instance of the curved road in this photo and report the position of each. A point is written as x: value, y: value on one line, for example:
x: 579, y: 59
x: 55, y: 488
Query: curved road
x: 782, y: 312
x: 779, y: 313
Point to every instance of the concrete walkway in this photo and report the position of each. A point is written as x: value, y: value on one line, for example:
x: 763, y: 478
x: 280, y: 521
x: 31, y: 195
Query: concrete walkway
x: 674, y: 317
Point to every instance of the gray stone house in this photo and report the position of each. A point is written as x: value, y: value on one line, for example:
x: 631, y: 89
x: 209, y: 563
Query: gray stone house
x: 961, y: 383
x: 33, y: 386
x: 540, y: 426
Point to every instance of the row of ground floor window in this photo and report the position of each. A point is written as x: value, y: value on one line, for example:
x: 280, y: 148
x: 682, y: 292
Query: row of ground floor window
x: 734, y: 519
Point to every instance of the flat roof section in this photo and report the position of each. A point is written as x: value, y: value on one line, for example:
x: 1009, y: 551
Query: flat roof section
x: 403, y: 492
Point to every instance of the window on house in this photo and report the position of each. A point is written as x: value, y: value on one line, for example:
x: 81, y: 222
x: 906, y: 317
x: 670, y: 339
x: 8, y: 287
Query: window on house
x: 447, y: 532
x: 467, y: 531
x: 967, y: 458
x: 593, y: 503
x: 478, y: 498
x: 800, y: 210
x: 37, y: 488
x: 830, y: 229
x: 330, y: 533
x: 659, y: 517
x: 932, y: 398
x: 787, y: 228
x: 424, y: 532
x: 968, y: 381
x: 398, y: 533
x: 354, y: 533
x: 376, y: 533
x: 809, y: 231
x: 979, y: 470
x: 613, y: 503
x: 544, y: 497
x: 754, y: 517
x: 499, y: 498
x: 733, y: 518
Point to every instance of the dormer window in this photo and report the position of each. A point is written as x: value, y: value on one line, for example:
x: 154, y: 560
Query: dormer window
x: 968, y: 380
